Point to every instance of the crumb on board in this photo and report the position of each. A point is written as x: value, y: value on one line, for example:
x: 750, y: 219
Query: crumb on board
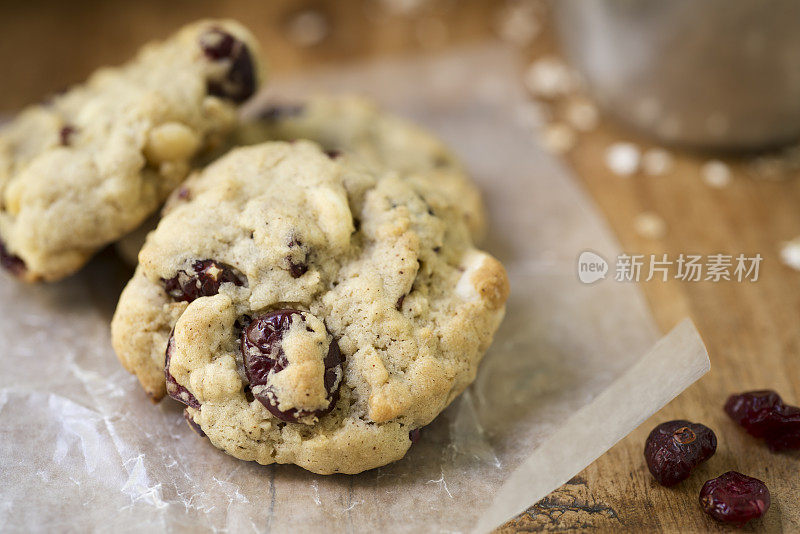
x: 519, y: 23
x: 657, y: 161
x: 716, y: 174
x: 650, y: 225
x: 582, y: 114
x: 558, y: 138
x: 307, y: 28
x: 790, y: 253
x: 623, y: 158
x: 549, y: 77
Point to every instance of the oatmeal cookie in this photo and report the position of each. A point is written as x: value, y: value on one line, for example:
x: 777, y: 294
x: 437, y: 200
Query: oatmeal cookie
x: 88, y: 166
x: 309, y: 309
x: 356, y: 125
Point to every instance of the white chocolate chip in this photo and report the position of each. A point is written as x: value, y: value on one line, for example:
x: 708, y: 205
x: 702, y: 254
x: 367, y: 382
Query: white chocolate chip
x: 171, y: 141
x: 333, y: 215
x: 465, y: 288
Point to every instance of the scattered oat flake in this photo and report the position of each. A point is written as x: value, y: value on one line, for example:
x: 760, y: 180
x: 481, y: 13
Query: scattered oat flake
x: 650, y: 225
x: 716, y: 174
x: 558, y: 138
x: 656, y: 161
x: 308, y: 28
x: 549, y: 78
x: 790, y: 253
x: 623, y: 158
x: 518, y: 23
x: 582, y: 115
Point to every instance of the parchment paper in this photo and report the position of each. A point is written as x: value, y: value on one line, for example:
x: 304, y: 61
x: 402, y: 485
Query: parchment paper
x: 81, y: 448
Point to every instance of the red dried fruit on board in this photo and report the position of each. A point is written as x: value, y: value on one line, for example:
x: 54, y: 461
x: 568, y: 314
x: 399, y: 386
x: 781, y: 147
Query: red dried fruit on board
x: 764, y: 415
x: 735, y: 498
x: 673, y: 449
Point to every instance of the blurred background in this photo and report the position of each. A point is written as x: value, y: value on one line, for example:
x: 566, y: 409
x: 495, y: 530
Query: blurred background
x: 50, y: 44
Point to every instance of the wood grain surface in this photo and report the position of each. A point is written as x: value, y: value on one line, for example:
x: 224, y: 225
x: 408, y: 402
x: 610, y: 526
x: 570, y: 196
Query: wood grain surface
x: 752, y: 330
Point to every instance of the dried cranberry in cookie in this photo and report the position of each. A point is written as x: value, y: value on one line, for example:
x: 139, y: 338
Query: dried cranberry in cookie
x: 10, y: 262
x: 319, y: 370
x: 175, y: 390
x: 293, y: 364
x: 65, y: 135
x: 194, y: 426
x: 355, y: 127
x: 202, y: 280
x: 238, y: 80
x: 297, y: 260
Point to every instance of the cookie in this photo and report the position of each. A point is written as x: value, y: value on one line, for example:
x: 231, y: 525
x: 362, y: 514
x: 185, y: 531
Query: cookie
x: 80, y: 171
x: 356, y: 125
x: 309, y: 309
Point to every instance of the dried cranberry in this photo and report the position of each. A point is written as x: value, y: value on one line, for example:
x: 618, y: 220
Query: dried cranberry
x: 297, y: 258
x: 204, y: 280
x: 333, y: 154
x: 264, y: 356
x: 175, y: 390
x: 297, y: 269
x: 184, y: 193
x: 194, y: 426
x: 734, y: 498
x: 674, y: 448
x: 65, y: 134
x: 10, y: 262
x: 217, y: 44
x: 414, y: 435
x: 239, y: 81
x: 764, y: 415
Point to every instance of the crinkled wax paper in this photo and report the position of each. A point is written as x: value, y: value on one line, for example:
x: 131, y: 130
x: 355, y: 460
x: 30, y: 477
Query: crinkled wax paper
x: 82, y: 448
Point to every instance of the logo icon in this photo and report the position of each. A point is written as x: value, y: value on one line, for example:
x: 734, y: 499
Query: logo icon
x: 591, y: 267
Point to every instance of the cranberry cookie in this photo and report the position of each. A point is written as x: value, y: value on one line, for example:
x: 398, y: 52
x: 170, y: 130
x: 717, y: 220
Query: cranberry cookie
x: 90, y: 165
x: 309, y: 309
x: 356, y: 125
